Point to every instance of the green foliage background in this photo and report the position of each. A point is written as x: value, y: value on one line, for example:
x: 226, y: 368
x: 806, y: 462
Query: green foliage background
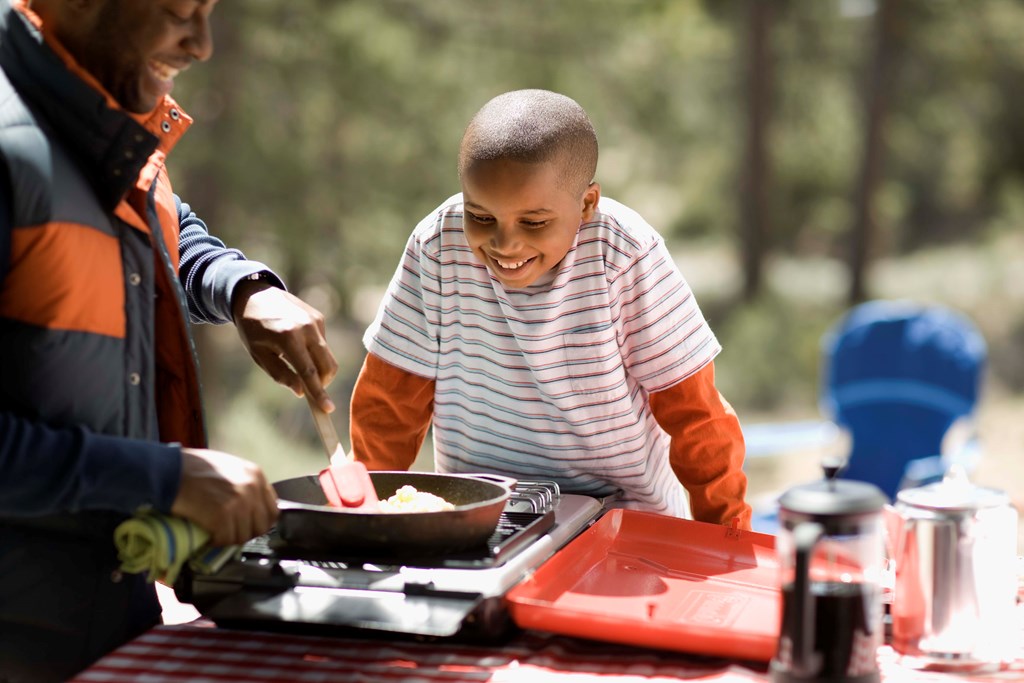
x: 327, y: 128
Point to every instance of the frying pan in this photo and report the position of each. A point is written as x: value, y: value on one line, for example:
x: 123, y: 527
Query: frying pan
x: 307, y: 522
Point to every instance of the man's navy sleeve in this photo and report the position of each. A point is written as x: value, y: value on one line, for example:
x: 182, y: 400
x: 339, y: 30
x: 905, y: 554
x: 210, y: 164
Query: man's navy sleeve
x: 44, y: 470
x: 209, y: 271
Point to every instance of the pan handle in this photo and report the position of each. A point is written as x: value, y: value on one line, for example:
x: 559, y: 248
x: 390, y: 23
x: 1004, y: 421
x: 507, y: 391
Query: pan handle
x: 500, y: 480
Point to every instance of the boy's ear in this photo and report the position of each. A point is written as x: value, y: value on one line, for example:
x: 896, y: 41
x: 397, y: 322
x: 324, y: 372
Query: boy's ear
x: 591, y: 196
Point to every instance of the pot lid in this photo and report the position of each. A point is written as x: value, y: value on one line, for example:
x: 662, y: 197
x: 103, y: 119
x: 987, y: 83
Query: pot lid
x: 833, y: 497
x: 954, y: 492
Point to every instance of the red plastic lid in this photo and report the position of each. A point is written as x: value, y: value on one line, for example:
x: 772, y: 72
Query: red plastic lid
x: 662, y: 582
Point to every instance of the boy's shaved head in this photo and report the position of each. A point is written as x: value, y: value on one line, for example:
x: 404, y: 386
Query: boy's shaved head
x: 533, y: 126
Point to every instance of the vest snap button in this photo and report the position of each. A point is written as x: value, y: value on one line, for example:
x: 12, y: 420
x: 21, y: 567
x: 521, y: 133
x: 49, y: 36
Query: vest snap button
x: 134, y: 378
x: 134, y: 279
x: 116, y: 576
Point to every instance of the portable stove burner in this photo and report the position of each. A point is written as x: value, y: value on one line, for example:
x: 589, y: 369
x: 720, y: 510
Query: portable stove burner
x: 513, y: 530
x: 274, y: 587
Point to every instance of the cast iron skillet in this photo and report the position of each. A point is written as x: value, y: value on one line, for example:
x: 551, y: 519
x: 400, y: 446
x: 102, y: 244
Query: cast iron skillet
x: 306, y: 521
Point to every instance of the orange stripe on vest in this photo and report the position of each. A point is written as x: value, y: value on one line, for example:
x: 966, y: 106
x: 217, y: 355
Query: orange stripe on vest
x: 65, y: 276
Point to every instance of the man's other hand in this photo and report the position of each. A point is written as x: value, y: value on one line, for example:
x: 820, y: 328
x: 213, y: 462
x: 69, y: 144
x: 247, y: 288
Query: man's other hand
x: 226, y: 495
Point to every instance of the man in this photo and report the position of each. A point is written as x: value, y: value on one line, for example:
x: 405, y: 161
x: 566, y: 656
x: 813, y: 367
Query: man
x: 101, y: 267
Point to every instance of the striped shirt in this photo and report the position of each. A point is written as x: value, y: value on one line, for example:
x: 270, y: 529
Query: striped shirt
x: 550, y: 381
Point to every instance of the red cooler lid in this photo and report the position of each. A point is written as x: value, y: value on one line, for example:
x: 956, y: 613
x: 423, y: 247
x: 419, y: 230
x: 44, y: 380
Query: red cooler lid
x: 661, y: 582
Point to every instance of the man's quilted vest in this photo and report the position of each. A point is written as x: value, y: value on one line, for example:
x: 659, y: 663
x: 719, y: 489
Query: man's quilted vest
x: 93, y: 330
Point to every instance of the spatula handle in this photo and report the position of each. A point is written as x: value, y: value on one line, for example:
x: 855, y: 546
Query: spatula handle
x: 325, y: 428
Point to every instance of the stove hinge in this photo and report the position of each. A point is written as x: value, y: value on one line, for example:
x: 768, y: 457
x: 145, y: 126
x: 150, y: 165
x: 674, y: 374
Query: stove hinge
x: 428, y: 589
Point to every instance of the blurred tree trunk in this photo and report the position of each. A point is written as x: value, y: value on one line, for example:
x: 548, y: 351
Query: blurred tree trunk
x: 756, y: 223
x: 882, y: 76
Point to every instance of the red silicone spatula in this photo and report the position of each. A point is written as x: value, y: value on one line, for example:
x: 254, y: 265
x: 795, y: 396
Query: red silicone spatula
x: 345, y: 482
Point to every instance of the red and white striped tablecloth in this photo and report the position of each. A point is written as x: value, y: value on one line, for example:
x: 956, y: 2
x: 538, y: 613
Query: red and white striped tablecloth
x: 203, y: 653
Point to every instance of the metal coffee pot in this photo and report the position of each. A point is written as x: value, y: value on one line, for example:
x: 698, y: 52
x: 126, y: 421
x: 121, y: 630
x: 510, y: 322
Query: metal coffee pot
x: 954, y: 545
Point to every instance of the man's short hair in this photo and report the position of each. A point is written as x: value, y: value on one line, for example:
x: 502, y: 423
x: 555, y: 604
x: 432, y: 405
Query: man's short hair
x: 533, y: 126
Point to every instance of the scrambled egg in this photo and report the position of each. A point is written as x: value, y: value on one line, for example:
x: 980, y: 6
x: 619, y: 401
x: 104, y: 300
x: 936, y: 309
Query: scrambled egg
x: 408, y: 499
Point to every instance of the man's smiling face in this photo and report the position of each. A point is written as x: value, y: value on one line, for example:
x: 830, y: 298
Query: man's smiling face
x: 519, y: 219
x: 135, y: 48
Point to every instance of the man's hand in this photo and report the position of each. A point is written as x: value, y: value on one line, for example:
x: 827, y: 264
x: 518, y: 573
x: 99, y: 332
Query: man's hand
x: 286, y: 337
x: 226, y: 495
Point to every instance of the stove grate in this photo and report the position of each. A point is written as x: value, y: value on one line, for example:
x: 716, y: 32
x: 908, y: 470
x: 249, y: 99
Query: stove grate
x: 514, y: 531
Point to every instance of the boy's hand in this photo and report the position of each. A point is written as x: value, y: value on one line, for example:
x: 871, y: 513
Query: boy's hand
x: 226, y: 495
x: 287, y: 338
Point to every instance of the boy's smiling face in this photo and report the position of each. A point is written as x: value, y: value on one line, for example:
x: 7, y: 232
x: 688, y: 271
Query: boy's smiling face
x: 520, y: 220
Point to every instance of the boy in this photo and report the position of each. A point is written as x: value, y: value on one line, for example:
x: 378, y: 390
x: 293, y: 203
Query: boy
x: 547, y: 333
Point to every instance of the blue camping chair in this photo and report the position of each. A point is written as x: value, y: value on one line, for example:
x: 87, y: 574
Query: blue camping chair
x: 896, y: 376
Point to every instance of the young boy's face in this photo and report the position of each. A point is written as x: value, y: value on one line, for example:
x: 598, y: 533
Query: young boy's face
x: 519, y: 219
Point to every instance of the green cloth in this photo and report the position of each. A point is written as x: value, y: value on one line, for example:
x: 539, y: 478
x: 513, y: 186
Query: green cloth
x: 161, y: 545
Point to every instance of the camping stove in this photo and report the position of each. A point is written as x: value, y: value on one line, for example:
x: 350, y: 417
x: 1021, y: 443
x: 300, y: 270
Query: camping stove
x: 271, y: 587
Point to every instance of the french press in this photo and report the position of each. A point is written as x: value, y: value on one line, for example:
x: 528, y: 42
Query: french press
x: 831, y: 549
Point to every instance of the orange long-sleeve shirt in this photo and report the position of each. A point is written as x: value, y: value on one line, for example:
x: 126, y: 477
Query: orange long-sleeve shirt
x: 391, y: 411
